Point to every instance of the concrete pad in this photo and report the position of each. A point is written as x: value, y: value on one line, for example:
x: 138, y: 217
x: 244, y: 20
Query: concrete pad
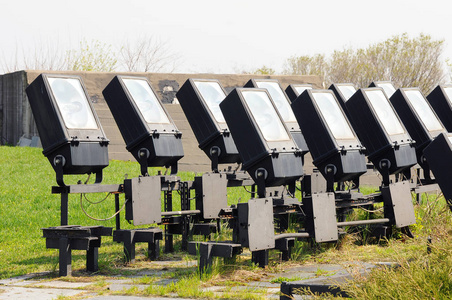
x: 115, y: 287
x: 63, y: 284
x: 22, y: 293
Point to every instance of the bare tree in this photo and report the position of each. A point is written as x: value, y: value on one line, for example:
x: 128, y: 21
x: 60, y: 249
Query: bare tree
x: 147, y: 54
x: 43, y: 55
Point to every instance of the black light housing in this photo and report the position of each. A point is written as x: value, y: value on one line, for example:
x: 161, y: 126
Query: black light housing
x: 419, y: 119
x: 282, y: 104
x: 343, y: 92
x: 441, y: 101
x: 332, y: 142
x: 200, y: 99
x: 146, y: 127
x: 263, y: 140
x: 72, y: 137
x: 295, y: 90
x: 389, y: 146
x: 439, y: 157
x: 387, y: 87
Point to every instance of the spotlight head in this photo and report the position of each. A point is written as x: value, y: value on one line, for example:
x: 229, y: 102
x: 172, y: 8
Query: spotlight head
x: 200, y: 100
x: 343, y: 92
x: 146, y: 127
x: 330, y: 137
x: 295, y: 90
x: 282, y: 104
x: 263, y: 140
x: 418, y: 117
x: 441, y: 101
x: 388, y: 144
x: 387, y: 87
x: 72, y: 137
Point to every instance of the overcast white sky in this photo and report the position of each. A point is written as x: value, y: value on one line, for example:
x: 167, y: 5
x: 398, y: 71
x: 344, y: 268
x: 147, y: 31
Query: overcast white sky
x: 224, y: 36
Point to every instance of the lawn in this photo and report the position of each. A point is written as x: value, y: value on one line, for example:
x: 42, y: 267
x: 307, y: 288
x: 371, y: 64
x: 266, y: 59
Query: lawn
x: 27, y: 205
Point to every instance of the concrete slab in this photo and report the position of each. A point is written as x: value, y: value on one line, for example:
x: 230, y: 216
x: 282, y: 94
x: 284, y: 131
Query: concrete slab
x: 58, y: 284
x: 26, y: 293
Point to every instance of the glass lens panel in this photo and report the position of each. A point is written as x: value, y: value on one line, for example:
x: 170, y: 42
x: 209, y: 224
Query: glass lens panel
x: 334, y: 117
x: 279, y: 99
x: 212, y: 94
x: 423, y: 110
x: 385, y: 112
x: 265, y: 115
x: 449, y: 93
x: 450, y: 139
x: 347, y: 91
x: 301, y: 89
x: 146, y: 101
x: 72, y: 103
x: 388, y: 88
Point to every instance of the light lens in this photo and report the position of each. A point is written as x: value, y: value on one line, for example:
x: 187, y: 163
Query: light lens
x: 265, y: 115
x: 384, y: 112
x: 212, y: 94
x: 147, y: 102
x: 388, y: 88
x: 333, y: 116
x: 449, y: 94
x: 423, y: 110
x: 347, y: 91
x: 72, y: 103
x: 301, y: 89
x: 279, y: 99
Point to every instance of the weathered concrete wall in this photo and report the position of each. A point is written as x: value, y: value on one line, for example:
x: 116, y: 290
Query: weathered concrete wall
x: 18, y: 121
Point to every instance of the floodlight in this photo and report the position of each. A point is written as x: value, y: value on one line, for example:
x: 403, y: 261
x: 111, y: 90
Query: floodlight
x: 418, y: 117
x: 200, y: 99
x: 282, y: 104
x: 330, y: 137
x: 389, y: 146
x: 343, y: 92
x: 439, y: 157
x: 72, y: 137
x: 146, y: 127
x: 295, y: 90
x: 441, y: 101
x: 387, y: 87
x: 264, y: 142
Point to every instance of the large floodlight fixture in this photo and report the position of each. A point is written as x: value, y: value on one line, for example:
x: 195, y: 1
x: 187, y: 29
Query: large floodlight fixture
x: 295, y: 90
x: 200, y: 100
x: 335, y: 149
x: 418, y: 117
x: 343, y: 92
x: 283, y: 106
x: 388, y: 144
x: 439, y: 157
x: 146, y: 127
x: 441, y: 101
x: 387, y: 87
x: 265, y: 145
x: 72, y: 137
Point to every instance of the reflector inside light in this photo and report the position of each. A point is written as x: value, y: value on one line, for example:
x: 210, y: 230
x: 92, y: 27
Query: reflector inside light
x: 265, y: 115
x: 301, y: 89
x: 423, y: 110
x: 387, y: 87
x: 449, y: 93
x: 347, y: 90
x: 72, y: 103
x: 279, y: 99
x: 212, y: 95
x: 385, y: 113
x: 333, y: 116
x: 146, y: 101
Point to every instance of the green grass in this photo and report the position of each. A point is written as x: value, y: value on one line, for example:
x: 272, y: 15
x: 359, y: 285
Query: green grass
x: 27, y: 205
